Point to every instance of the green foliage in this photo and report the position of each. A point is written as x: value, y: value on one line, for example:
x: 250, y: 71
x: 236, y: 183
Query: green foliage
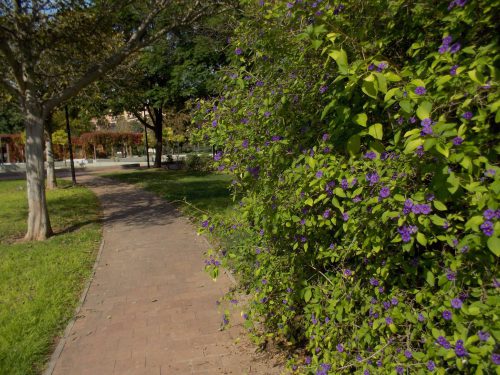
x: 32, y: 310
x: 367, y: 160
x: 200, y: 163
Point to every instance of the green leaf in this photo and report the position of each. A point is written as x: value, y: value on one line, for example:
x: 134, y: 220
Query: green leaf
x: 391, y: 93
x: 424, y: 110
x: 439, y: 205
x: 412, y: 145
x: 494, y: 245
x: 340, y: 58
x: 474, y: 222
x: 422, y: 240
x: 307, y: 295
x: 354, y: 144
x: 382, y: 82
x: 309, y: 202
x: 317, y: 43
x: 361, y: 119
x: 442, y: 149
x: 429, y: 277
x: 369, y: 88
x: 376, y: 131
x: 405, y: 106
x: 477, y: 77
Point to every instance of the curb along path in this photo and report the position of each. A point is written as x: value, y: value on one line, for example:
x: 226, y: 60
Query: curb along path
x: 150, y: 308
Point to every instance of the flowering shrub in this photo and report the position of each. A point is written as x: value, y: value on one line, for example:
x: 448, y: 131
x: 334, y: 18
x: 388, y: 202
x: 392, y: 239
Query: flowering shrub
x: 363, y: 140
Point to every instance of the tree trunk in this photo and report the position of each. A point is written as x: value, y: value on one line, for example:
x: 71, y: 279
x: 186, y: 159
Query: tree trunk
x: 158, y: 135
x: 51, y: 171
x: 38, y: 216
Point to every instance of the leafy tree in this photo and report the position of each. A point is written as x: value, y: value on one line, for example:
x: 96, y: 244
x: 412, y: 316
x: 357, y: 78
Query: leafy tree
x: 178, y: 67
x: 51, y: 50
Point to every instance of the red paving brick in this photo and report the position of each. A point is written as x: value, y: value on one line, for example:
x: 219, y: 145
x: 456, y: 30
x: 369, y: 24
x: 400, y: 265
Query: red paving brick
x: 150, y: 308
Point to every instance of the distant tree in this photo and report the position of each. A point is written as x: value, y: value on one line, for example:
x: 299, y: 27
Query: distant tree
x: 51, y: 50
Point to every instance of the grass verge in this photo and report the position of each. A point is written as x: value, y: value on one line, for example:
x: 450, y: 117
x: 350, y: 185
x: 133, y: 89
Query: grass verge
x: 208, y: 192
x: 40, y: 282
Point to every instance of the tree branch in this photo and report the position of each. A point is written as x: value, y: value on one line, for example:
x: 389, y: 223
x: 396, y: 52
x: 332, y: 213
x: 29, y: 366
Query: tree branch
x: 142, y: 120
x: 97, y: 71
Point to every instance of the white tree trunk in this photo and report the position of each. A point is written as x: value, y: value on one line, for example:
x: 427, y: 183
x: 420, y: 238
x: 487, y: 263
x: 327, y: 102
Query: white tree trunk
x: 38, y: 217
x: 51, y: 171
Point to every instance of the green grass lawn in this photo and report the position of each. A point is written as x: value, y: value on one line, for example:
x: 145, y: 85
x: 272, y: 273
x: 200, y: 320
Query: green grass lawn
x: 206, y: 191
x: 41, y: 282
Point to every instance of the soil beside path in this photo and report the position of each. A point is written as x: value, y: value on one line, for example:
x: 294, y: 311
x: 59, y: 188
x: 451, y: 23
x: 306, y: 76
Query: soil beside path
x: 150, y: 308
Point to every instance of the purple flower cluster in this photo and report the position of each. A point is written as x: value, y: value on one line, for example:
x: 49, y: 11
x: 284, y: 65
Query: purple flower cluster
x: 426, y: 127
x: 372, y: 178
x: 457, y: 3
x: 457, y: 141
x: 406, y: 232
x: 424, y: 209
x: 487, y: 228
x: 453, y: 70
x: 371, y: 155
x: 483, y: 336
x: 218, y: 156
x: 344, y: 184
x: 324, y: 368
x: 443, y: 342
x: 460, y: 351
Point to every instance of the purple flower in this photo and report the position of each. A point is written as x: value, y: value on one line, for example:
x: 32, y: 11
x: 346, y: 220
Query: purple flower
x: 495, y: 358
x: 347, y: 272
x: 456, y: 303
x: 289, y: 5
x: 419, y: 151
x: 405, y: 233
x: 407, y: 206
x: 319, y: 174
x: 400, y: 370
x: 244, y: 144
x: 366, y: 372
x: 459, y: 349
x: 420, y: 317
x: 373, y: 178
x: 381, y: 66
x: 340, y: 348
x: 325, y: 137
x: 453, y: 70
x: 443, y: 49
x: 374, y: 281
x: 238, y: 51
x: 371, y: 155
x: 264, y: 281
x: 214, y: 123
x: 323, y: 89
x: 420, y: 90
x: 426, y: 122
x: 371, y: 66
x: 483, y: 336
x: 455, y: 47
x: 446, y: 314
x: 327, y: 213
x: 431, y: 366
x: 451, y: 276
x: 313, y: 319
x: 218, y: 156
x: 443, y: 342
x: 357, y: 199
x: 267, y: 114
x: 489, y: 214
x: 386, y: 305
x: 467, y: 115
x: 385, y: 192
x: 307, y: 360
x: 345, y: 216
x: 394, y: 301
x: 204, y: 223
x: 447, y: 40
x: 344, y: 184
x: 487, y: 228
x: 408, y: 354
x: 259, y: 83
x: 457, y: 141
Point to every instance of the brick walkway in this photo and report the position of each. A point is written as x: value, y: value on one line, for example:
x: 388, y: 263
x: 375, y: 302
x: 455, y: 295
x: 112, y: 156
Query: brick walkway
x: 150, y: 308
